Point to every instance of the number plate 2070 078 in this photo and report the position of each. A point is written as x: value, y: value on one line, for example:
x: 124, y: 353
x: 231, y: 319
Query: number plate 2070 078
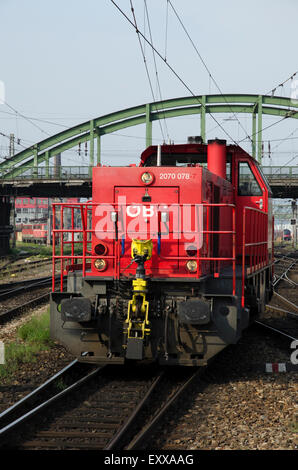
x: 174, y: 176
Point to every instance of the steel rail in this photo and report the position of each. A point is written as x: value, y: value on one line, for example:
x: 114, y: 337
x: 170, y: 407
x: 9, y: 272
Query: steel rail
x: 278, y: 309
x: 37, y: 390
x: 15, y: 284
x: 293, y: 283
x: 25, y: 287
x: 8, y: 314
x: 132, y: 418
x: 286, y: 301
x: 48, y: 402
x: 276, y: 330
x: 286, y: 270
x: 139, y: 438
x: 24, y: 267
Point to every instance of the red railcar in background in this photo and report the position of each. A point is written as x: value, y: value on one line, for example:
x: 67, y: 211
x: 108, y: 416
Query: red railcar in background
x: 32, y: 217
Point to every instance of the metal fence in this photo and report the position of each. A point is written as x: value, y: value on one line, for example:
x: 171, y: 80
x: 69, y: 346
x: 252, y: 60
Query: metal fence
x: 280, y: 171
x: 85, y: 172
x: 42, y: 172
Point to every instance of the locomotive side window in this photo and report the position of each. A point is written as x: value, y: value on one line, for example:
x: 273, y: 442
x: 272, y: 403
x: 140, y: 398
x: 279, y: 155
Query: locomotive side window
x: 177, y: 160
x: 247, y: 183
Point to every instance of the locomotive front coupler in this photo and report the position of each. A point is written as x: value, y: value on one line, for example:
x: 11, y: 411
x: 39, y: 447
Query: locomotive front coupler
x: 136, y: 325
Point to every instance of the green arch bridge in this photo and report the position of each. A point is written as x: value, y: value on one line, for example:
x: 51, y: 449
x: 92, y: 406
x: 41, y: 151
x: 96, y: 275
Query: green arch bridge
x: 31, y: 171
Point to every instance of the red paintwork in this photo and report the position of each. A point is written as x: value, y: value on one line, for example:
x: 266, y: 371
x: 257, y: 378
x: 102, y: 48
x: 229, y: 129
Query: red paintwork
x: 217, y: 158
x: 180, y: 188
x: 232, y: 228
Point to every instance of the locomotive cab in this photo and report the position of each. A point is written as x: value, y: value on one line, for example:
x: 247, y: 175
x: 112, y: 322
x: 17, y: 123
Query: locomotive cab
x: 168, y: 260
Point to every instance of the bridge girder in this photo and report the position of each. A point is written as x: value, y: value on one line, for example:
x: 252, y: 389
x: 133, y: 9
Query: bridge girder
x: 256, y: 105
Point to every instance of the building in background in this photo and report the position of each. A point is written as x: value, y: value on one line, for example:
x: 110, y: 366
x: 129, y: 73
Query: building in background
x: 33, y: 218
x: 30, y: 208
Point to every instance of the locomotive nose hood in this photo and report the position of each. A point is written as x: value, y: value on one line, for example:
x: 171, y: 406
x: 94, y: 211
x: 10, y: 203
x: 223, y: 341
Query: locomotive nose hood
x: 158, y: 203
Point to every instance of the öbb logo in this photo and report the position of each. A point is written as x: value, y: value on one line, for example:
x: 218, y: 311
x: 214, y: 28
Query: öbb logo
x: 137, y: 210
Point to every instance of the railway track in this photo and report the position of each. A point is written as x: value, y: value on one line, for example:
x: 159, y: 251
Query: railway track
x: 23, y: 307
x: 285, y: 332
x: 6, y: 261
x: 282, y: 269
x: 282, y: 312
x: 11, y: 269
x: 19, y: 297
x: 15, y: 418
x: 11, y: 289
x: 105, y: 408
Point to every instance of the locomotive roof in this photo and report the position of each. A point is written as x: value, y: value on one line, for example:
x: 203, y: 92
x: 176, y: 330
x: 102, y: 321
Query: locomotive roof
x: 191, y: 149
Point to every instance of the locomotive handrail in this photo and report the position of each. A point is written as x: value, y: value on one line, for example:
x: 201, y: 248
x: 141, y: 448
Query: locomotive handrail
x: 85, y: 207
x: 256, y: 261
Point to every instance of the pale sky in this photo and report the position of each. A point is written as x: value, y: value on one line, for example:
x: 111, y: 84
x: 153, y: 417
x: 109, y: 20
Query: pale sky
x: 67, y: 61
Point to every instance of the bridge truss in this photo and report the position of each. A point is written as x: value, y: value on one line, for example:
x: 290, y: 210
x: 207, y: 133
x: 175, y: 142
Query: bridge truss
x: 93, y: 130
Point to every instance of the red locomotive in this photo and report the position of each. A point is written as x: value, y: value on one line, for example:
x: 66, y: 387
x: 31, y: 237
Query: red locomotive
x: 173, y: 259
x: 283, y: 235
x: 287, y: 236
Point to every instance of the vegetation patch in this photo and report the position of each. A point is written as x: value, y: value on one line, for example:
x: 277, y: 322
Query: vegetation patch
x: 33, y: 250
x: 44, y: 251
x: 294, y: 426
x: 32, y: 337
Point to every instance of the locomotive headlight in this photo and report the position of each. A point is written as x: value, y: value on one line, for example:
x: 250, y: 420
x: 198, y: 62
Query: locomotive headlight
x: 101, y: 249
x: 192, y: 266
x: 100, y: 264
x: 191, y: 250
x: 147, y: 178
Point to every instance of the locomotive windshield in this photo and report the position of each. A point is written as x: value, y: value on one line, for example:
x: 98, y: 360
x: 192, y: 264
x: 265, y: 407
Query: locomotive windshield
x: 247, y: 183
x: 176, y: 159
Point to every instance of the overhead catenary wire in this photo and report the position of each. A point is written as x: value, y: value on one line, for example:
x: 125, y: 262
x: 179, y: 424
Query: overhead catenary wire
x: 211, y: 77
x: 9, y: 137
x: 18, y: 114
x: 155, y: 66
x: 283, y: 166
x: 283, y: 118
x: 281, y: 141
x: 166, y: 30
x: 26, y: 118
x: 271, y: 92
x: 37, y: 119
x: 188, y: 88
x: 171, y: 68
x: 264, y: 128
x: 144, y: 59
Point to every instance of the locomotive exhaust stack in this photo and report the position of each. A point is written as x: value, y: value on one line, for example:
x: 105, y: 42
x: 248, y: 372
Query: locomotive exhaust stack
x: 217, y: 157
